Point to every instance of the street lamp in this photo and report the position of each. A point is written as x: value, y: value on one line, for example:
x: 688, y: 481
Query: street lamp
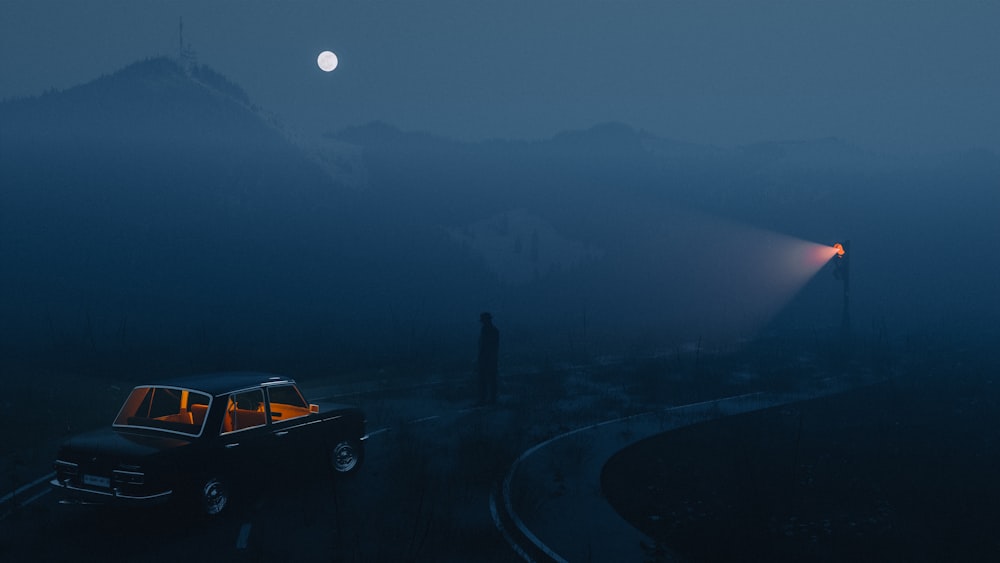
x: 842, y: 272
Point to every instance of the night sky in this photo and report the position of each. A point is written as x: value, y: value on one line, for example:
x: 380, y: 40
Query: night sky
x: 888, y: 76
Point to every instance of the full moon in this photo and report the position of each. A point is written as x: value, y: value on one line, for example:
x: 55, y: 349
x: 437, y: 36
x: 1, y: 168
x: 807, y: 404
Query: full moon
x: 327, y: 61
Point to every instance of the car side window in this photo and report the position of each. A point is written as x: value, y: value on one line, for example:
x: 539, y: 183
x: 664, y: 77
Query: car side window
x: 244, y: 410
x: 286, y: 403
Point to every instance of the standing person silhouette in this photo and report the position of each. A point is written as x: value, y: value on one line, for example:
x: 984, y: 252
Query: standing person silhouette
x: 489, y: 349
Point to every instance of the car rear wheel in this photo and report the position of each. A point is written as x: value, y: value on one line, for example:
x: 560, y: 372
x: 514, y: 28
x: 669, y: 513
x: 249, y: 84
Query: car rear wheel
x: 346, y: 457
x: 214, y: 496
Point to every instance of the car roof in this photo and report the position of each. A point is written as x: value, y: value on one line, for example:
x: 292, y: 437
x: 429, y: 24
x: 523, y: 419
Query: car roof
x: 224, y: 382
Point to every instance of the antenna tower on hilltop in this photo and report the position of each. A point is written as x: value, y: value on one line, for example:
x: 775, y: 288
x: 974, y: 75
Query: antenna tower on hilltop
x: 185, y: 55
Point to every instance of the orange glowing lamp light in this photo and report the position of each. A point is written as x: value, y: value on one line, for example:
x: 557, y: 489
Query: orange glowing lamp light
x: 839, y: 248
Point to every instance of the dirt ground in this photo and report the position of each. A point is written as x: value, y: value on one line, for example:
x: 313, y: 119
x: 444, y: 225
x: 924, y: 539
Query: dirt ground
x: 900, y: 471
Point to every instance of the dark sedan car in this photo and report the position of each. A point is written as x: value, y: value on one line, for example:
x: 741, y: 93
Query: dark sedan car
x: 194, y: 438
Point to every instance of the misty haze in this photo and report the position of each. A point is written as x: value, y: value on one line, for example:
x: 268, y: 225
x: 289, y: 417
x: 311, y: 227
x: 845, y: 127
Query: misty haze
x: 644, y: 199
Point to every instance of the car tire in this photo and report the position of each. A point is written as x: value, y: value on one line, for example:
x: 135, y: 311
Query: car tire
x: 346, y: 457
x: 214, y: 496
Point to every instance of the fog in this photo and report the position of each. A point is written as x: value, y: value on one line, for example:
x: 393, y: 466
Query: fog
x: 157, y: 219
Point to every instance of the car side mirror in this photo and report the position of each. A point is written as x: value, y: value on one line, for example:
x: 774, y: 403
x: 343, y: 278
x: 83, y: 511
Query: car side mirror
x: 313, y: 408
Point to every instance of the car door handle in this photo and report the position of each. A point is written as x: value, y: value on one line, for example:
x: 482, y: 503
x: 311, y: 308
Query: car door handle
x: 229, y: 446
x: 282, y: 433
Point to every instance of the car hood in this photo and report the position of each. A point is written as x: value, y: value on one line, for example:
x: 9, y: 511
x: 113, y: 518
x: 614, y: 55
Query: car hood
x: 126, y: 444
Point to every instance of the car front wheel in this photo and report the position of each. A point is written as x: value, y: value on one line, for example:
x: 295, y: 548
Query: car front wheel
x: 214, y: 496
x: 346, y: 457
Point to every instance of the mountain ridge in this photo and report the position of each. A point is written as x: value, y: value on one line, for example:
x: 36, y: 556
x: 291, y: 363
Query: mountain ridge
x: 172, y: 204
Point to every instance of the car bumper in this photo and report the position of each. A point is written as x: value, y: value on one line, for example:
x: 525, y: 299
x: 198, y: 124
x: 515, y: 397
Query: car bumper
x: 75, y: 494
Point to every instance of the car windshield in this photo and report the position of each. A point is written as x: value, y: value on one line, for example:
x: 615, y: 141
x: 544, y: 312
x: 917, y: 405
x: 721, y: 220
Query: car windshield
x: 171, y: 409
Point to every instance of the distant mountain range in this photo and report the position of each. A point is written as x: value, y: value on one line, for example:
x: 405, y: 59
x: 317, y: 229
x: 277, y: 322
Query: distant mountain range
x: 159, y: 203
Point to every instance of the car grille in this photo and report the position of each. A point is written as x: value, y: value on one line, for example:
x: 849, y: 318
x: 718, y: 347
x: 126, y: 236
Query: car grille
x: 97, y: 474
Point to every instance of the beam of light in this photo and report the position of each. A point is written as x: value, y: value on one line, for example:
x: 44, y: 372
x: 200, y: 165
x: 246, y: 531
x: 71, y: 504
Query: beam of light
x: 715, y: 279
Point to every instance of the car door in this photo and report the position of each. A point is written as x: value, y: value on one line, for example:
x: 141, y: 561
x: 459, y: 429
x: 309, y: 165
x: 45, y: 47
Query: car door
x: 245, y: 438
x: 289, y: 416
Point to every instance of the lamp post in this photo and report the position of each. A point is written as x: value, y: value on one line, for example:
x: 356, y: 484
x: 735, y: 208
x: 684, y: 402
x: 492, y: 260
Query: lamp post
x: 842, y: 271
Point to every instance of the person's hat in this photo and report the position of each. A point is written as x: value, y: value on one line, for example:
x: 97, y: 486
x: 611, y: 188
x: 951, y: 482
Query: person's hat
x: 484, y: 316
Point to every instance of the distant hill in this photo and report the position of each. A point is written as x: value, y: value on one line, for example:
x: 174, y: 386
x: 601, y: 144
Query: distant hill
x: 604, y: 191
x: 157, y: 214
x: 158, y: 202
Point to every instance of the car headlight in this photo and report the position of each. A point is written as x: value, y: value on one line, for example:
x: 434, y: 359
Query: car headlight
x: 128, y: 477
x: 65, y: 470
